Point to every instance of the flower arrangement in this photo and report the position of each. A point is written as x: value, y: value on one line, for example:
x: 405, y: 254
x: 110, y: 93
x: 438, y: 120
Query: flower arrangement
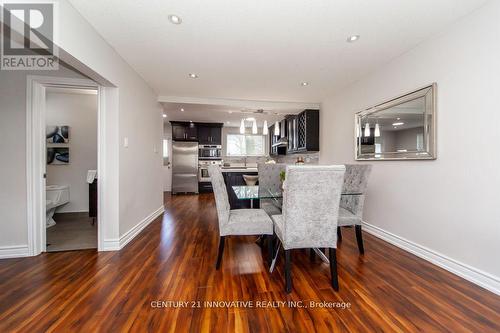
x: 282, y: 176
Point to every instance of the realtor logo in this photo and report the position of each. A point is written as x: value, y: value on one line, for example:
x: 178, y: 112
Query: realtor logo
x: 27, y: 37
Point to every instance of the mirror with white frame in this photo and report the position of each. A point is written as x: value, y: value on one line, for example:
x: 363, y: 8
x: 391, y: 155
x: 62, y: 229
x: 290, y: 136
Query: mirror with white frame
x: 402, y: 128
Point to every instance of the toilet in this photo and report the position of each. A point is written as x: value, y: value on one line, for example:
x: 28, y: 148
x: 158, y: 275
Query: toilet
x: 56, y: 196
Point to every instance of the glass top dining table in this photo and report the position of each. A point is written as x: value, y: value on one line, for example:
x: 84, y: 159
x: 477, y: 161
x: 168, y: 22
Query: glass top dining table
x: 252, y: 192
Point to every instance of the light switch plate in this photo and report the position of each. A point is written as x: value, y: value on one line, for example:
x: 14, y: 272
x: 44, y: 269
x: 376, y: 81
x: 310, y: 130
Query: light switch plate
x: 125, y: 142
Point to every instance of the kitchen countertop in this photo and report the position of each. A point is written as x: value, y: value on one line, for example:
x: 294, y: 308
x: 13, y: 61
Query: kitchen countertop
x: 243, y: 169
x: 240, y: 167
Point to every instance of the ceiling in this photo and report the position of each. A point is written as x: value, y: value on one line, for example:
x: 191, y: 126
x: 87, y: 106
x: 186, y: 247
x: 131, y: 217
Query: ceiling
x: 262, y: 50
x: 410, y: 114
x: 229, y: 115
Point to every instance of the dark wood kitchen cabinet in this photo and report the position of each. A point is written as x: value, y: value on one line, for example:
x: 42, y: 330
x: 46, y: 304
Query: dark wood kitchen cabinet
x: 216, y: 135
x: 272, y: 140
x: 204, y: 135
x: 184, y: 131
x: 291, y: 122
x: 276, y: 145
x: 210, y: 133
x: 303, y: 132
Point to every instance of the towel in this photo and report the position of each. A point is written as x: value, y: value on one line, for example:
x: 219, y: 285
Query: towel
x: 91, y: 175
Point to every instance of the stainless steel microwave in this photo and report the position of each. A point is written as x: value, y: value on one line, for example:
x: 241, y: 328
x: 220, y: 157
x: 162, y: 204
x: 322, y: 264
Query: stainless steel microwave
x: 209, y: 152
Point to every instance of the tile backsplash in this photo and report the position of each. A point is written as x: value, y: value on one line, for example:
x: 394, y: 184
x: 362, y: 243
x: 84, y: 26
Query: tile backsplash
x: 249, y: 159
x: 311, y: 158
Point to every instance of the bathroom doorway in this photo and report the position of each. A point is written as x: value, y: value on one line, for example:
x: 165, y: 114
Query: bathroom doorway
x: 37, y: 157
x: 71, y: 165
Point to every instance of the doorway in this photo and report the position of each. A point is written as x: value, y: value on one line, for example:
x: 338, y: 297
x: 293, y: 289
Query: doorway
x: 71, y: 167
x: 57, y: 186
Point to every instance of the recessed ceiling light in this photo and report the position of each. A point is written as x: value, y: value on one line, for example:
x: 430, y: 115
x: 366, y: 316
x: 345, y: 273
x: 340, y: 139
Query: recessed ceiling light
x: 304, y: 84
x: 352, y: 38
x: 193, y: 75
x: 398, y: 123
x: 182, y: 110
x: 164, y: 115
x: 174, y: 19
x: 190, y: 121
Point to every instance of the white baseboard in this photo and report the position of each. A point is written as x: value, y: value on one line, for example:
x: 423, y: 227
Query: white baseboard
x: 72, y: 211
x: 474, y: 275
x: 132, y: 233
x: 15, y: 251
x: 116, y: 244
x: 111, y: 244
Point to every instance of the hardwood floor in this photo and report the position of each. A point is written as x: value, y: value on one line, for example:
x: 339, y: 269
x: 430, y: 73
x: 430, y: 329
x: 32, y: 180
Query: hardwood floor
x: 173, y: 259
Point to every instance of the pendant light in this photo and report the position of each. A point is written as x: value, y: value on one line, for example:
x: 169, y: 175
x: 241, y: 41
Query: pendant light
x: 277, y: 129
x: 377, y: 130
x: 265, y: 130
x: 242, y: 126
x: 254, y: 127
x: 367, y: 130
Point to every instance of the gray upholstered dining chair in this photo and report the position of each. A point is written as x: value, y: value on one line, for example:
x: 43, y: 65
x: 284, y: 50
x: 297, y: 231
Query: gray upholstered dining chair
x: 351, y: 206
x: 311, y: 200
x: 236, y: 222
x: 269, y: 181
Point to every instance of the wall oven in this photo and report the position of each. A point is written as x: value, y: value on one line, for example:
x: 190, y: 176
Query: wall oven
x: 203, y: 176
x: 209, y: 152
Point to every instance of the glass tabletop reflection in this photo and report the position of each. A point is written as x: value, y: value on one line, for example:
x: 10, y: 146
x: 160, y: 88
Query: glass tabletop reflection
x: 253, y: 192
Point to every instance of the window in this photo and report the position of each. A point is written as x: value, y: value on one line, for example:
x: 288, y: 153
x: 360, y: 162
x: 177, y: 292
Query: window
x: 165, y: 153
x: 420, y: 141
x: 245, y: 145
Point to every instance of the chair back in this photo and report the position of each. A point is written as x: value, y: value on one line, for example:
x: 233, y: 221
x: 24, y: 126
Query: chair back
x: 221, y: 197
x: 355, y: 181
x: 269, y: 177
x: 311, y: 205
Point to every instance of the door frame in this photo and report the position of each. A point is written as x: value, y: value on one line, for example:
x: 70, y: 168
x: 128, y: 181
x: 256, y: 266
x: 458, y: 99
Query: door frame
x: 36, y: 154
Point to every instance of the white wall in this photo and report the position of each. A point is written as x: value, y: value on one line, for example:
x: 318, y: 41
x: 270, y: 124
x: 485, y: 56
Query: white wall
x: 79, y: 111
x: 132, y: 112
x: 451, y: 205
x: 13, y: 206
x: 139, y: 119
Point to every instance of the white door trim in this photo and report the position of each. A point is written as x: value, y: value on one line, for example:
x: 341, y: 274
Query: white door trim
x: 36, y: 154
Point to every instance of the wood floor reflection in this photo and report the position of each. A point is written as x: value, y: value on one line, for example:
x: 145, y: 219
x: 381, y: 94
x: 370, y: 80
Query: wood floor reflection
x: 173, y: 259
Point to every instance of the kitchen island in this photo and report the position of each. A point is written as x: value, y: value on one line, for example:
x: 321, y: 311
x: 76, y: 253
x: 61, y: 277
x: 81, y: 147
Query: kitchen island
x: 233, y: 176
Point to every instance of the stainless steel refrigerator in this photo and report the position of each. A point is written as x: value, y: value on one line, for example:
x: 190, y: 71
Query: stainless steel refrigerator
x: 184, y: 167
